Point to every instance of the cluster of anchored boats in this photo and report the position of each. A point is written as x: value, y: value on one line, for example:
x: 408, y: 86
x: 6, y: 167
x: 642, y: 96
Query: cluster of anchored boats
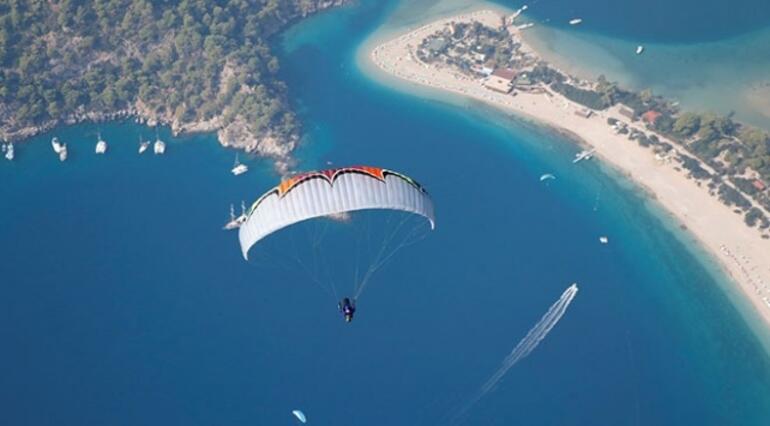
x: 159, y: 148
x: 60, y: 148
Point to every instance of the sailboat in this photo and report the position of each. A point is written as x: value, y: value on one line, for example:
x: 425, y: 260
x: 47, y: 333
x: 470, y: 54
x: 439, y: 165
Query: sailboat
x: 143, y: 145
x: 239, y: 168
x: 236, y: 222
x: 57, y: 146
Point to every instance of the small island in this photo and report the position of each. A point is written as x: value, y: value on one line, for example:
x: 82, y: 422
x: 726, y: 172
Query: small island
x: 709, y: 171
x: 195, y: 66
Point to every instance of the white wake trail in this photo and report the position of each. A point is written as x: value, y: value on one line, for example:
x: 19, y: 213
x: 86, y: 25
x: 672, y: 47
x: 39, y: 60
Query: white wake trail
x: 525, y: 346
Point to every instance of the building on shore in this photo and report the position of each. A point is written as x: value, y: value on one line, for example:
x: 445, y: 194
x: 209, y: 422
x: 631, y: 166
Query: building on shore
x: 498, y: 84
x: 501, y: 80
x: 627, y: 112
x: 583, y: 112
x: 523, y: 82
x: 650, y: 116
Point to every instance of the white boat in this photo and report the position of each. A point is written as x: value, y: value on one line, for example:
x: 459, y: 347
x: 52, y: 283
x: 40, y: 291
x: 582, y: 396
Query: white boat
x: 101, y: 145
x: 62, y: 152
x: 239, y: 168
x: 575, y: 21
x: 639, y: 50
x: 583, y: 155
x: 160, y: 147
x: 143, y: 145
x: 8, y: 152
x: 57, y: 146
x: 525, y: 26
x: 604, y: 240
x: 236, y: 222
x: 517, y: 13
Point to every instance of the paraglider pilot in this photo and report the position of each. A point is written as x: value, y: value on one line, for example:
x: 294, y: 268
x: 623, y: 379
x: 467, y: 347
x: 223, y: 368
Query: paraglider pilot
x: 348, y: 308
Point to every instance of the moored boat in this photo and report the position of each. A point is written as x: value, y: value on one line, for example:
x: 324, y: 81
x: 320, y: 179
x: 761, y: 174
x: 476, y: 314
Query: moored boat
x: 9, y: 151
x: 583, y: 155
x: 160, y: 147
x: 101, y: 145
x: 57, y: 146
x: 63, y: 152
x: 236, y: 222
x: 239, y: 168
x: 143, y: 145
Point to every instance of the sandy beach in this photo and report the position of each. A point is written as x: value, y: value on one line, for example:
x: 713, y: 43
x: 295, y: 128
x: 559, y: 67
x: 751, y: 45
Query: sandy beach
x: 741, y: 251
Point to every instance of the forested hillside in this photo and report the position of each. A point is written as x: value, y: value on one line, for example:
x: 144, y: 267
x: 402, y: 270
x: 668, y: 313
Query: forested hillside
x: 197, y: 65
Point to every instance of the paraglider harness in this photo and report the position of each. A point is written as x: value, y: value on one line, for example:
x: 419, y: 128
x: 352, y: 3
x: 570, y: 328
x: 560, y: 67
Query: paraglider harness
x: 348, y: 308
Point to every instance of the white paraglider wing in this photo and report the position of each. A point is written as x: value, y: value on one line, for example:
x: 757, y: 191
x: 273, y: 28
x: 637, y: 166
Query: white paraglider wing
x: 547, y: 176
x: 329, y: 192
x: 299, y: 415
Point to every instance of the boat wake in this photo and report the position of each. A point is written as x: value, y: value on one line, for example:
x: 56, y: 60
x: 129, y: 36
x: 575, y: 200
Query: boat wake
x: 523, y: 348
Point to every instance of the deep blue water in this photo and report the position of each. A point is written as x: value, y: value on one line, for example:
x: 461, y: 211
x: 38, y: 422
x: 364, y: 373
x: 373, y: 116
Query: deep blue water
x: 122, y: 302
x: 663, y: 21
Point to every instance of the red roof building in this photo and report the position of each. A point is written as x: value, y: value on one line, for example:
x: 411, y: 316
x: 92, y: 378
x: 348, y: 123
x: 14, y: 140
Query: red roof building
x: 758, y: 184
x: 650, y: 116
x: 505, y: 73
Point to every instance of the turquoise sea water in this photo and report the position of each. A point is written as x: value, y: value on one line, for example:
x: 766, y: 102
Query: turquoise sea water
x: 708, y: 55
x: 122, y: 302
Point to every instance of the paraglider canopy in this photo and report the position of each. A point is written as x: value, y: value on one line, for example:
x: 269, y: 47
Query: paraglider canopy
x: 299, y: 415
x: 332, y: 192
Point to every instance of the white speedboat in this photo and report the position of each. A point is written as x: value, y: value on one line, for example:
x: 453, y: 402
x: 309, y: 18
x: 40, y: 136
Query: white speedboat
x: 575, y: 21
x: 101, y: 145
x: 160, y: 147
x: 62, y: 152
x: 8, y: 152
x: 604, y: 240
x: 239, y: 168
x: 143, y: 145
x: 525, y: 26
x: 57, y: 146
x: 639, y: 50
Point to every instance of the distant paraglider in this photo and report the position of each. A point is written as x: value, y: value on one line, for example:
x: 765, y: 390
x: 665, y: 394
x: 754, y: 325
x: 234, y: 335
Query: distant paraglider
x: 547, y: 176
x: 299, y: 415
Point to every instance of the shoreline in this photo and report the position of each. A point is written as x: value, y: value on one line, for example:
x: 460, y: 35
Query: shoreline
x: 740, y: 251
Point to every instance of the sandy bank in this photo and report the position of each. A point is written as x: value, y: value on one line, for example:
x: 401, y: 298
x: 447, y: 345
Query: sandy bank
x: 741, y: 250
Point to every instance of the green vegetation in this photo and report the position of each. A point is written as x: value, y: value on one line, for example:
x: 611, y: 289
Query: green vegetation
x: 732, y: 197
x: 179, y: 61
x: 590, y: 98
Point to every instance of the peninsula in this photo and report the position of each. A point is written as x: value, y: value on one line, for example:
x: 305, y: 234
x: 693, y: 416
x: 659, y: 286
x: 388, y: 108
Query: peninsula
x: 195, y: 66
x: 709, y: 172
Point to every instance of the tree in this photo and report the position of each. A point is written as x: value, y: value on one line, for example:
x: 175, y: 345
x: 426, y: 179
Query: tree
x: 686, y: 124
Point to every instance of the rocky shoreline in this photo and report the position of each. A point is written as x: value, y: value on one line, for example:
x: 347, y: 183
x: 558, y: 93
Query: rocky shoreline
x: 235, y: 135
x: 274, y: 144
